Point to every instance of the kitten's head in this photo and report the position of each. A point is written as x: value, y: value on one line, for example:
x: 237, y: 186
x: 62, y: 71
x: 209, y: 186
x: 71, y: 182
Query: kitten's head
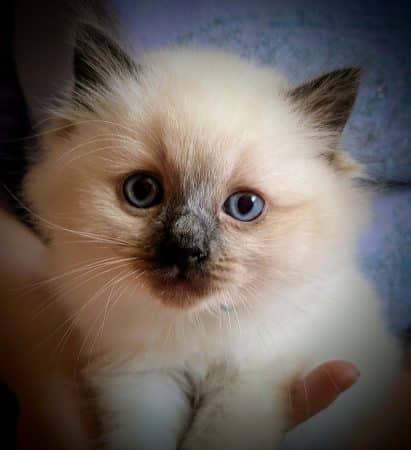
x: 204, y: 175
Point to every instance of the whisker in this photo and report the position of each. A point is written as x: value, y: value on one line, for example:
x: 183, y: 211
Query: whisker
x: 71, y: 320
x: 91, y: 152
x: 111, y: 139
x: 111, y: 307
x: 234, y: 308
x: 105, y: 313
x: 94, y: 242
x: 69, y: 125
x: 81, y: 309
x: 61, y: 228
x: 88, y: 272
x: 113, y: 282
x: 76, y: 268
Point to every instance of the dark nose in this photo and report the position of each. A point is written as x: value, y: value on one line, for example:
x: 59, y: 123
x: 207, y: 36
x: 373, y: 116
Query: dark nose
x: 183, y: 257
x: 185, y: 244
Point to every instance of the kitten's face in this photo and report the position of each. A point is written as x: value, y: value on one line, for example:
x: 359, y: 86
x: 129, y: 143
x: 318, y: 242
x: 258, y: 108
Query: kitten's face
x: 200, y: 172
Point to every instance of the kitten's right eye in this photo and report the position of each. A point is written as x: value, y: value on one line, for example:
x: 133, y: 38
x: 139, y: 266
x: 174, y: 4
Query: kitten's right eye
x: 244, y: 206
x: 142, y: 190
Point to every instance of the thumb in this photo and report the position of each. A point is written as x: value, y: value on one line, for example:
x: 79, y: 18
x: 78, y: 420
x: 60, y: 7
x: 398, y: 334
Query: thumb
x: 321, y: 387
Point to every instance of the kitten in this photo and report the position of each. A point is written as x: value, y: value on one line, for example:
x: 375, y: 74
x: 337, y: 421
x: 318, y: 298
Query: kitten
x: 201, y: 221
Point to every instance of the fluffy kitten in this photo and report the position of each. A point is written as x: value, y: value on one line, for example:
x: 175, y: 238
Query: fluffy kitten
x: 201, y: 222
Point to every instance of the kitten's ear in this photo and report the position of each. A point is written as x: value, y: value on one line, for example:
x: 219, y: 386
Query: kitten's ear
x: 96, y: 57
x: 329, y: 98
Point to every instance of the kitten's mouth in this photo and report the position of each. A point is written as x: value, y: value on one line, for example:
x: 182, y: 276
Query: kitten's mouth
x: 182, y: 260
x: 180, y: 288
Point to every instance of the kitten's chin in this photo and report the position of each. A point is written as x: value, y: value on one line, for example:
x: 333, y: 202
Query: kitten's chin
x: 181, y: 292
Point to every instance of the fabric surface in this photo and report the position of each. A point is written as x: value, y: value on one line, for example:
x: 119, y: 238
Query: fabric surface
x: 385, y: 254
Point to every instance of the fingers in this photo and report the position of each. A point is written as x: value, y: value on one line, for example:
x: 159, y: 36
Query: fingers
x: 21, y: 252
x: 317, y: 390
x: 53, y: 413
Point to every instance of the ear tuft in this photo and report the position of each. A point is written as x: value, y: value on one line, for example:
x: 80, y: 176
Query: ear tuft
x: 96, y: 57
x: 344, y: 163
x: 329, y: 98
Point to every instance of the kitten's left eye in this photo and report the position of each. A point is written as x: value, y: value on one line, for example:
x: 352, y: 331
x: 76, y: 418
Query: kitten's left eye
x: 244, y: 206
x: 142, y: 190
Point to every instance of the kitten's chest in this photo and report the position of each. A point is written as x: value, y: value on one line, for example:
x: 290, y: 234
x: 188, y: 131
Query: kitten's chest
x: 200, y: 348
x: 276, y: 332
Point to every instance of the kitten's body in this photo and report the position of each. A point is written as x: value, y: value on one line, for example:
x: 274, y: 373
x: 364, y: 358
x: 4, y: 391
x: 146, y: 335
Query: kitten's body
x: 191, y: 364
x: 257, y: 356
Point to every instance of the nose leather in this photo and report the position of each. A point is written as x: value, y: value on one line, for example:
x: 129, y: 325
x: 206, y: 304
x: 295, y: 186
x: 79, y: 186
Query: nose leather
x: 186, y: 242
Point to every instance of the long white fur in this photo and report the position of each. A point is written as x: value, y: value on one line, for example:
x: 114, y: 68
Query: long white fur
x: 153, y: 366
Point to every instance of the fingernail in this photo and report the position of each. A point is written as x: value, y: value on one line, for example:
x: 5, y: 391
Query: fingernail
x: 348, y: 377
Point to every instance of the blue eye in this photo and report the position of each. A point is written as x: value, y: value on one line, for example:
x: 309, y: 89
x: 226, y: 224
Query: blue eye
x: 142, y: 190
x: 244, y: 206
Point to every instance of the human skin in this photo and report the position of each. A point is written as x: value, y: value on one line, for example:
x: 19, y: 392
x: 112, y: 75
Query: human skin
x: 55, y: 413
x: 53, y: 410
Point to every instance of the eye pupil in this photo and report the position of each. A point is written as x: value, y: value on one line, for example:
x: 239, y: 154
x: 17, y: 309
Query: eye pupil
x: 245, y: 203
x: 142, y: 190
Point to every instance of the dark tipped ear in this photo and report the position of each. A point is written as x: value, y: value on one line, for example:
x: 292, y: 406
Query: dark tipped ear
x: 96, y: 56
x: 329, y: 98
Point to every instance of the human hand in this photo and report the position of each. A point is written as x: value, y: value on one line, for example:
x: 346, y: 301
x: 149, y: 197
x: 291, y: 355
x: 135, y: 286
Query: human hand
x: 53, y: 410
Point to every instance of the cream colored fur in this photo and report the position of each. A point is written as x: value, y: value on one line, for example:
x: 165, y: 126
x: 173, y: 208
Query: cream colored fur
x: 294, y: 296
